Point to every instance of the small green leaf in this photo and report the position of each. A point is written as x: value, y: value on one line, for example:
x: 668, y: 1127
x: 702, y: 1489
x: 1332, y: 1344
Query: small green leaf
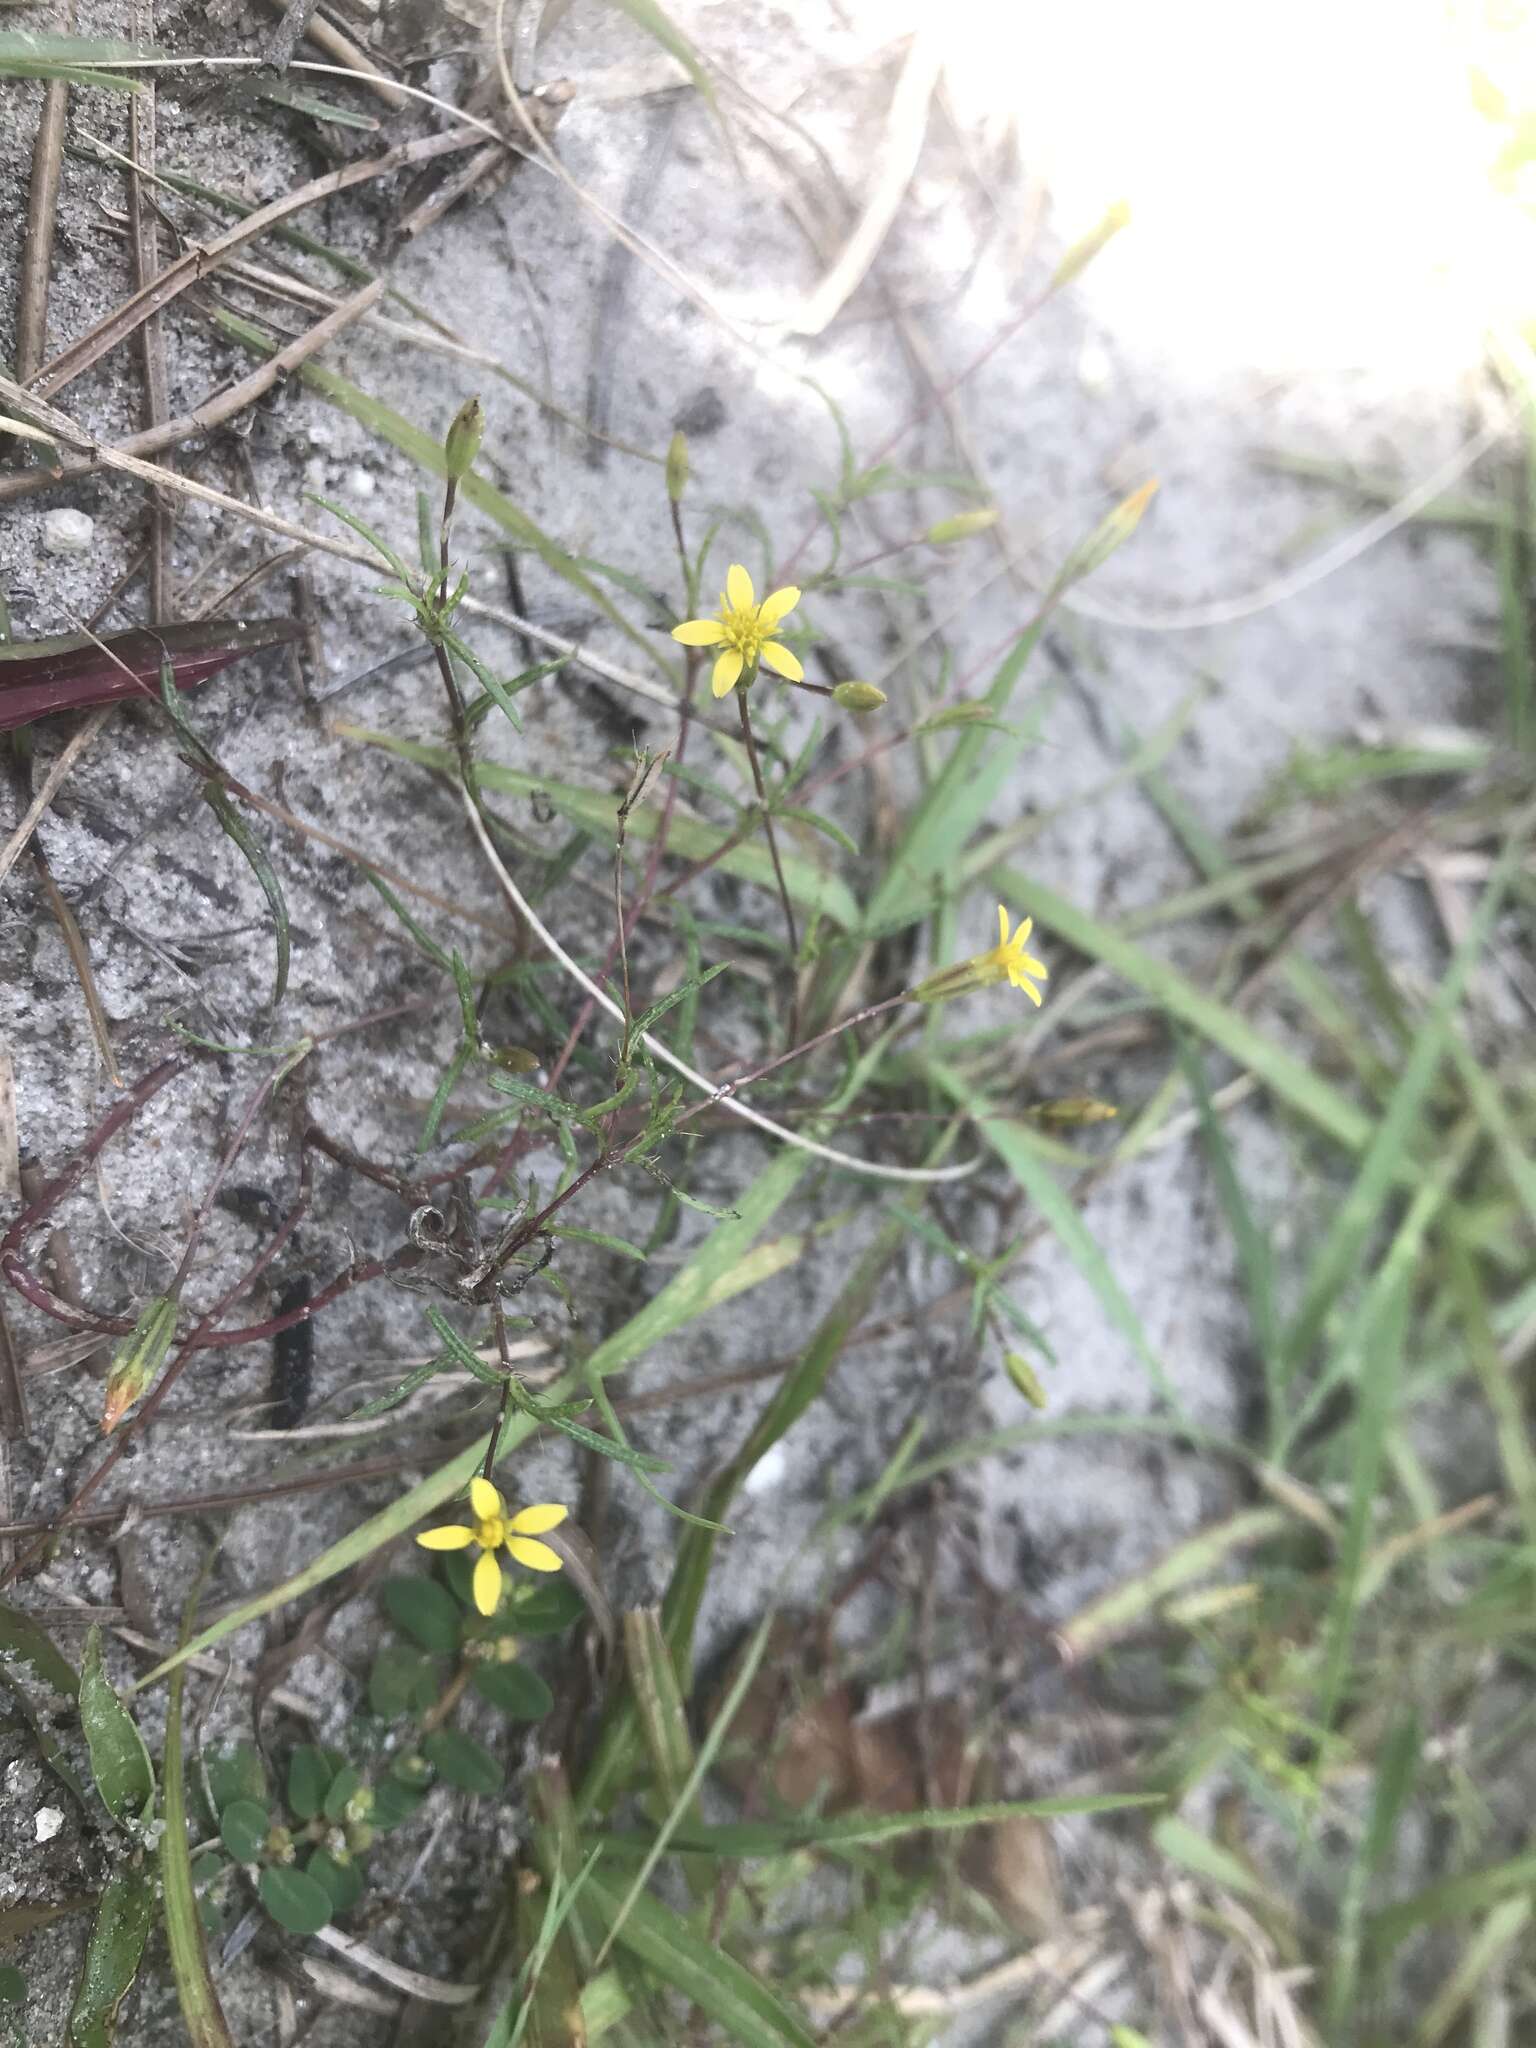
x: 295, y: 1900
x: 425, y: 1612
x: 394, y: 1802
x: 544, y: 1610
x: 310, y: 1771
x: 519, y: 1692
x: 342, y: 1883
x: 236, y: 1772
x: 340, y: 1790
x: 112, y: 1957
x: 23, y: 1640
x: 461, y: 1761
x: 401, y: 1681
x: 13, y: 1986
x: 243, y: 1829
x: 119, y: 1761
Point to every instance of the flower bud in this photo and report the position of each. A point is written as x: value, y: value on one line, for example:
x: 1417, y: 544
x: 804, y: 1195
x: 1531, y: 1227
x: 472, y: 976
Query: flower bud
x: 962, y: 526
x: 677, y: 466
x: 1024, y: 1377
x: 279, y: 1844
x: 858, y: 696
x: 137, y: 1360
x: 464, y: 438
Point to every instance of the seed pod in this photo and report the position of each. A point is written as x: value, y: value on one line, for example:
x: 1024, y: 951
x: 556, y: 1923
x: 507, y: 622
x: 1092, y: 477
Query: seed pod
x: 677, y: 466
x: 464, y: 438
x: 962, y: 526
x: 858, y: 696
x: 137, y: 1360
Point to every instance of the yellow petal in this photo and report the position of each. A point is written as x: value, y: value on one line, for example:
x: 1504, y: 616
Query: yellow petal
x: 781, y: 661
x: 1031, y: 965
x: 485, y: 1500
x: 699, y: 632
x: 1022, y: 981
x: 739, y: 594
x: 448, y: 1538
x: 778, y: 606
x: 1021, y: 936
x: 1002, y: 926
x: 727, y: 673
x: 535, y: 1520
x: 537, y: 1556
x: 487, y: 1583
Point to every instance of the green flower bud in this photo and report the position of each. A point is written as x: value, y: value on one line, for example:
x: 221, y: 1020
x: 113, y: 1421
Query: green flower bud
x: 464, y: 438
x: 962, y: 526
x: 858, y: 696
x: 677, y: 466
x: 137, y: 1360
x: 280, y: 1845
x: 360, y: 1805
x: 360, y: 1837
x: 1025, y: 1378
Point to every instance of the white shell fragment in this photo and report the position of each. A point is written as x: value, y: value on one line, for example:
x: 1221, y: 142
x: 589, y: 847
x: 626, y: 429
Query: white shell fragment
x: 46, y: 1822
x: 67, y: 532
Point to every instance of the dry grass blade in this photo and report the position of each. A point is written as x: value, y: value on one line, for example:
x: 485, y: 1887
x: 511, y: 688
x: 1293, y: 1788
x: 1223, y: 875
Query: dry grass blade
x: 197, y: 261
x: 144, y: 240
x: 80, y: 960
x: 42, y: 214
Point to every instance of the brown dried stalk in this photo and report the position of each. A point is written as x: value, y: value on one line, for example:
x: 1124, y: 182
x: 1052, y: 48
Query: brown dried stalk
x: 42, y: 213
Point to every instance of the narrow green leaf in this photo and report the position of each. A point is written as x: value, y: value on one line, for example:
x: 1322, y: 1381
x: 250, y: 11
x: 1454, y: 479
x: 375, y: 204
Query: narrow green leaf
x: 236, y: 829
x: 119, y: 1761
x: 112, y: 1957
x: 200, y: 2009
x: 732, y: 1840
x: 673, y: 1949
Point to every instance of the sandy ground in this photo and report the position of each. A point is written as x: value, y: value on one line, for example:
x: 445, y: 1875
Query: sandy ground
x: 1228, y: 319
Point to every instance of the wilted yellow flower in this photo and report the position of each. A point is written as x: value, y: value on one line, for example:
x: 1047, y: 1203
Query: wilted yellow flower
x: 494, y: 1529
x: 742, y: 629
x: 1006, y: 961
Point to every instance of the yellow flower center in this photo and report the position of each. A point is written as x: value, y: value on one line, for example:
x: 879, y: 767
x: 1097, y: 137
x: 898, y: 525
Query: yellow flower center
x: 491, y: 1534
x: 743, y: 631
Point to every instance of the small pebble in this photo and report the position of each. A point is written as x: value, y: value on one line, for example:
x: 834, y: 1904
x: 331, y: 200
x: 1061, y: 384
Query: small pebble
x: 67, y: 532
x: 47, y: 1821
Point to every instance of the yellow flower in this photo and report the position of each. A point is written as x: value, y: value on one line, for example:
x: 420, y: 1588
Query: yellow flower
x: 742, y: 629
x: 494, y: 1529
x: 1007, y: 961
